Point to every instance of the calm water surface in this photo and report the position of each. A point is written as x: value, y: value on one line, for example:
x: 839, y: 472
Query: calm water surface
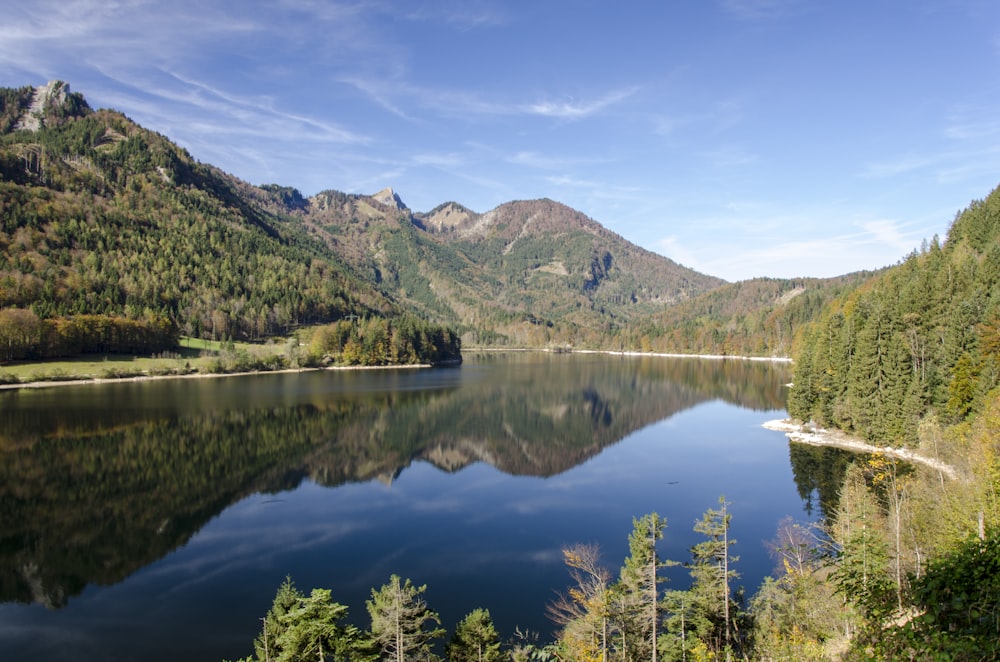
x: 156, y: 520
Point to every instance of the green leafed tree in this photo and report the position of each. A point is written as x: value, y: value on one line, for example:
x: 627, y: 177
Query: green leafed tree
x: 475, y: 639
x: 862, y: 574
x: 957, y: 608
x: 402, y: 625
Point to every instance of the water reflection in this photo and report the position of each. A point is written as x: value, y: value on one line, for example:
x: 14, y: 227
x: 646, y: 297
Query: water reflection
x: 99, y: 481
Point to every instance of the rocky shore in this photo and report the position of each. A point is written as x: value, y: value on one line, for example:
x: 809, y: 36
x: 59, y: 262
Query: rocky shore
x: 817, y: 436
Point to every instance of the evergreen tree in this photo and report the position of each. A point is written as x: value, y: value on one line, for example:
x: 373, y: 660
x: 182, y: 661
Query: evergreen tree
x: 475, y: 639
x: 275, y: 622
x: 711, y: 571
x: 299, y: 627
x: 313, y: 631
x: 637, y: 590
x: 862, y: 574
x: 402, y: 625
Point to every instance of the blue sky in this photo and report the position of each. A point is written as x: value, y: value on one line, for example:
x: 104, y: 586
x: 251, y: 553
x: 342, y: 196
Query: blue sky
x: 741, y: 138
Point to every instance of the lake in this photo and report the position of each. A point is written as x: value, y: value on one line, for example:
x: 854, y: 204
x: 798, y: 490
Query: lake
x: 155, y: 520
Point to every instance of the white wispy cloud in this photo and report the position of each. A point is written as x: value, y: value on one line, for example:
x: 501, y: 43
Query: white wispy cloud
x: 574, y: 182
x: 578, y: 109
x: 971, y: 122
x: 533, y: 159
x: 667, y: 125
x: 671, y: 247
x: 440, y: 160
x: 761, y: 9
x: 461, y: 14
x: 899, y: 166
x: 729, y: 156
x: 822, y: 257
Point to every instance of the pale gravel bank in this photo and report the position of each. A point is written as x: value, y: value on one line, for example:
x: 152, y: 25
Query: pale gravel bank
x: 816, y: 436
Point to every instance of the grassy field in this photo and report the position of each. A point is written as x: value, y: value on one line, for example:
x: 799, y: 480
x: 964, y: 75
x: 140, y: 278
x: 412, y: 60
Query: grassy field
x: 193, y: 355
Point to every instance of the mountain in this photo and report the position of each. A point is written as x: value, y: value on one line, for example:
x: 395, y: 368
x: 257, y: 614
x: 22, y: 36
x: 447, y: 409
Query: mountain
x: 102, y: 216
x: 528, y: 272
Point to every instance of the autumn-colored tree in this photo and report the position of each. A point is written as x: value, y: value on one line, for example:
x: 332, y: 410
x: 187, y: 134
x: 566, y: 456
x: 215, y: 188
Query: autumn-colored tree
x: 584, y: 612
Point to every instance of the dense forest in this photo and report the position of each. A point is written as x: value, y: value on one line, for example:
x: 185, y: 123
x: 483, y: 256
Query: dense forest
x: 923, y: 337
x: 759, y: 317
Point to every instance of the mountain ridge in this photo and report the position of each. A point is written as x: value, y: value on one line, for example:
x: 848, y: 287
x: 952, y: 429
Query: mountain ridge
x: 169, y: 235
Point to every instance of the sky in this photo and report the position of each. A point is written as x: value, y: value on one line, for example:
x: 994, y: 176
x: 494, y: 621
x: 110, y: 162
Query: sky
x: 741, y: 138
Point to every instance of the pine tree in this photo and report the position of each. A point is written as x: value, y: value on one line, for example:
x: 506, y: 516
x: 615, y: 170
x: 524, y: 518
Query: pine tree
x: 475, y: 639
x: 275, y: 622
x: 313, y: 632
x: 638, y: 589
x: 401, y: 621
x: 711, y: 571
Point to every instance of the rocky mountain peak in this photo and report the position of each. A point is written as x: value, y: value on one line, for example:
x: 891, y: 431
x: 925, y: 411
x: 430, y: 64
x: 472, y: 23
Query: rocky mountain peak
x: 52, y: 99
x: 389, y: 198
x: 447, y: 217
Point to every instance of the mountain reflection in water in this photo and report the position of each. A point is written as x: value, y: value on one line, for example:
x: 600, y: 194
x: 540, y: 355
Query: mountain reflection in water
x: 98, y: 482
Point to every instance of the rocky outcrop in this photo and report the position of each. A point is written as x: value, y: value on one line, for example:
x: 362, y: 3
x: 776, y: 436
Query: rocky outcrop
x: 389, y: 198
x: 53, y: 94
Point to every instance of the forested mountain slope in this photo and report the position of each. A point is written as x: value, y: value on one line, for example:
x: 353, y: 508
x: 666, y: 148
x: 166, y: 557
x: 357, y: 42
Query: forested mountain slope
x: 909, y: 358
x: 758, y: 317
x: 526, y: 273
x: 100, y: 216
x: 103, y: 217
x: 921, y: 338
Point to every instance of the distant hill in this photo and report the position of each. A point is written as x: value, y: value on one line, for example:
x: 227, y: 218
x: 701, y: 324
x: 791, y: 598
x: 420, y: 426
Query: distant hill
x: 758, y: 317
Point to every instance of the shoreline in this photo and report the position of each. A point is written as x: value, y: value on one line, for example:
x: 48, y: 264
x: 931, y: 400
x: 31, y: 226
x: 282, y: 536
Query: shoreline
x: 210, y: 375
x: 616, y: 352
x: 88, y: 381
x: 836, y: 439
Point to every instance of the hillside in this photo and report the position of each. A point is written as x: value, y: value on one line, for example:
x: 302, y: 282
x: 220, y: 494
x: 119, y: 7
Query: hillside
x: 758, y: 317
x: 103, y: 217
x: 526, y: 273
x: 909, y: 359
x: 920, y: 338
x: 100, y: 216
